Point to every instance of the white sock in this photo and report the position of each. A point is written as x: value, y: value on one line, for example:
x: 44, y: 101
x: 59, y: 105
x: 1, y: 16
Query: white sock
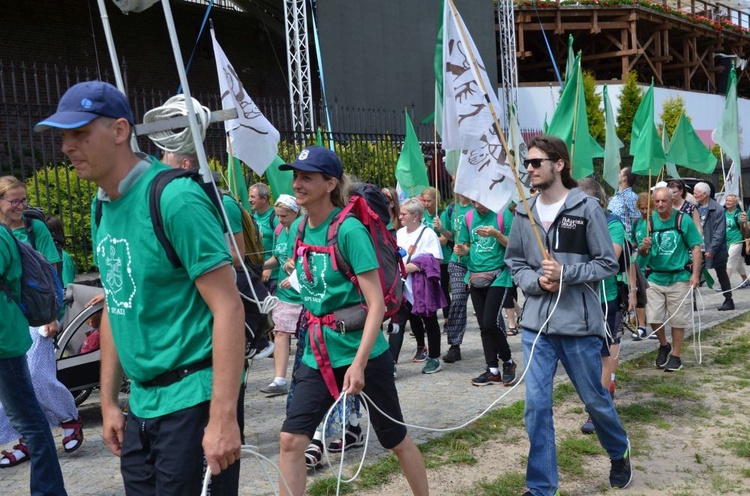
x: 353, y: 420
x: 494, y: 370
x: 17, y: 453
x: 280, y: 381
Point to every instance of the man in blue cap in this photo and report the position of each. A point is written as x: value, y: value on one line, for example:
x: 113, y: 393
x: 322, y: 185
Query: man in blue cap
x: 177, y: 332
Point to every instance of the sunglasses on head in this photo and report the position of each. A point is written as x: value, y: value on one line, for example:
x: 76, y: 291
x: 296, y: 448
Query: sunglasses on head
x: 535, y: 162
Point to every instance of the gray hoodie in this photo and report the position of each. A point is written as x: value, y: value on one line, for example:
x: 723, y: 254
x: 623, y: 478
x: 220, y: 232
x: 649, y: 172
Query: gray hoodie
x: 579, y: 240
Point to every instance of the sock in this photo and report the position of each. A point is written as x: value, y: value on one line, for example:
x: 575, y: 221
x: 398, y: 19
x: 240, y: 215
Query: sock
x: 509, y: 361
x: 318, y: 437
x: 494, y: 370
x: 18, y: 454
x: 280, y: 381
x: 353, y: 420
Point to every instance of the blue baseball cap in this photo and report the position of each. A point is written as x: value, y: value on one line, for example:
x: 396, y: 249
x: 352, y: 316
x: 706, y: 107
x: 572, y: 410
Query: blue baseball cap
x: 317, y: 159
x: 86, y: 101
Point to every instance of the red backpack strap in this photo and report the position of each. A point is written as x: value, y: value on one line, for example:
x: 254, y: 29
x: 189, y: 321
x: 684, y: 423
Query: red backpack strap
x: 467, y: 218
x: 320, y: 352
x: 501, y: 222
x: 277, y: 230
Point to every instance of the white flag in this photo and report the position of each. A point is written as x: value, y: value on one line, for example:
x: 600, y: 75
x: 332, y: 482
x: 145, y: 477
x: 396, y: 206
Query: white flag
x: 468, y: 124
x: 731, y: 184
x: 254, y: 140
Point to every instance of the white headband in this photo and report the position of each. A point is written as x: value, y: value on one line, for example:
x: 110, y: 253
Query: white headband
x: 289, y: 202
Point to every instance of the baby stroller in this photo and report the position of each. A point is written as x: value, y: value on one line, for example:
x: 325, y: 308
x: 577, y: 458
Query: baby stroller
x: 77, y: 345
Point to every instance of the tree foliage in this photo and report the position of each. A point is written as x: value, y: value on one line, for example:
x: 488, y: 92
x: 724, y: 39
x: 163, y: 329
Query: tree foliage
x: 671, y: 111
x: 594, y: 110
x: 630, y: 99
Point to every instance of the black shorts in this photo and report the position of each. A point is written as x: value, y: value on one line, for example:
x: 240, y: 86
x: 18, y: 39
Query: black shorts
x: 511, y: 295
x: 312, y: 400
x: 614, y: 319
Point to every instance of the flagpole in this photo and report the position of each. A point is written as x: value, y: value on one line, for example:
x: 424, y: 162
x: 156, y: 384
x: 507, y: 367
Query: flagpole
x: 499, y: 131
x: 575, y: 122
x: 648, y: 207
x: 434, y: 155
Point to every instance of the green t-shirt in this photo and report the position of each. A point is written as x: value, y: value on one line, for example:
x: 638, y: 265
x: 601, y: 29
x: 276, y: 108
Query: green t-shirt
x: 486, y: 253
x: 428, y: 221
x: 330, y: 290
x: 267, y: 223
x: 234, y: 214
x: 734, y: 235
x: 68, y: 269
x: 283, y: 248
x: 670, y: 249
x: 459, y: 220
x: 159, y: 320
x: 617, y: 233
x: 43, y: 239
x: 15, y: 339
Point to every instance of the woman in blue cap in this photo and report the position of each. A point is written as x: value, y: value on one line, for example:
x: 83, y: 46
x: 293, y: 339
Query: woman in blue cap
x: 352, y: 359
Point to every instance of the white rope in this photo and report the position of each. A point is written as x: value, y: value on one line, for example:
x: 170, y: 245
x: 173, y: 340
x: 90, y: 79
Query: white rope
x: 177, y: 141
x: 253, y: 451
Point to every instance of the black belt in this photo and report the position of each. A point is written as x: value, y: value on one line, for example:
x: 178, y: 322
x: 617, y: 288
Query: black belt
x: 172, y: 376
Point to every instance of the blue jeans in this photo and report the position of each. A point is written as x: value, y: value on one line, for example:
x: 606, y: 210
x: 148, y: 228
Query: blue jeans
x: 581, y: 357
x: 26, y: 416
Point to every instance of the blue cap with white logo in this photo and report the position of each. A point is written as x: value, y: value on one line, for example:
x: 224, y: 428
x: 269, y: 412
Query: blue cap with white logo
x: 86, y: 101
x: 317, y: 159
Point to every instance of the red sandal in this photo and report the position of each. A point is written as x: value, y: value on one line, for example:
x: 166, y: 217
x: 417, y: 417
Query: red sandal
x: 12, y: 458
x: 77, y: 434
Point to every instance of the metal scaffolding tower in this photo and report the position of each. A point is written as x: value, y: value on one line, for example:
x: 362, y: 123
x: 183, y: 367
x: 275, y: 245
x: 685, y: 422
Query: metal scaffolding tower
x: 298, y: 65
x: 508, y: 66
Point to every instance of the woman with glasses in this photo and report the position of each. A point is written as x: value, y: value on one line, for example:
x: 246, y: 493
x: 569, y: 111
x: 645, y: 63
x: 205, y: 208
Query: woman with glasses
x: 54, y: 398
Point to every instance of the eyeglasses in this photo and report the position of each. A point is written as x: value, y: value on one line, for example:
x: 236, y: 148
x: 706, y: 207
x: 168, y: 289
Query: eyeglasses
x: 17, y: 203
x: 535, y: 162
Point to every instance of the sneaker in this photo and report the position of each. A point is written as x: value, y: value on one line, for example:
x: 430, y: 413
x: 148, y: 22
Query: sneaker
x: 432, y: 366
x: 314, y: 455
x: 639, y: 333
x: 727, y: 305
x: 265, y: 352
x: 661, y: 359
x: 509, y: 373
x: 673, y: 364
x: 653, y: 336
x: 453, y: 355
x: 355, y: 438
x: 274, y: 389
x: 420, y: 355
x: 621, y: 473
x: 588, y: 427
x: 486, y: 379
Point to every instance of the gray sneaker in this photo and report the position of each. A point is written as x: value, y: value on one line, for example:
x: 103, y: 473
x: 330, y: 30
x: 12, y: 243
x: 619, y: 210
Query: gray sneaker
x: 432, y: 366
x: 274, y: 389
x: 661, y: 359
x: 673, y: 364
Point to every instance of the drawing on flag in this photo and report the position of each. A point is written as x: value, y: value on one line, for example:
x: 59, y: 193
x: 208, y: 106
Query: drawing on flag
x: 254, y: 140
x: 468, y: 122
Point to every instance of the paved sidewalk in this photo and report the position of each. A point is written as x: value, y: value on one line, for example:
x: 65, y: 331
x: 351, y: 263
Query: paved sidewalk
x: 441, y: 400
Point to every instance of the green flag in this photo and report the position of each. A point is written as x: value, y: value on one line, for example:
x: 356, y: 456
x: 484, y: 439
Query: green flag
x: 411, y: 172
x: 687, y: 149
x: 727, y: 135
x: 236, y: 180
x: 612, y: 145
x: 279, y: 181
x: 645, y: 144
x: 570, y: 66
x: 571, y: 124
x: 545, y: 124
x: 671, y: 168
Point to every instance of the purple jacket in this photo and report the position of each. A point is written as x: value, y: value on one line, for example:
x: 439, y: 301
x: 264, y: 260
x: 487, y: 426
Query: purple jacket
x: 428, y: 296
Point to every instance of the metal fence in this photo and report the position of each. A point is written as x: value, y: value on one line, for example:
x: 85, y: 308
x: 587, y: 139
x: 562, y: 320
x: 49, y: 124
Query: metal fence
x: 367, y: 140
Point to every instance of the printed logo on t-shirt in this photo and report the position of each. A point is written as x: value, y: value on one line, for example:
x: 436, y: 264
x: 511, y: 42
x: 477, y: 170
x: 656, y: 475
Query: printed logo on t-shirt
x: 115, y: 264
x: 482, y: 244
x: 280, y: 251
x: 666, y: 242
x: 314, y: 290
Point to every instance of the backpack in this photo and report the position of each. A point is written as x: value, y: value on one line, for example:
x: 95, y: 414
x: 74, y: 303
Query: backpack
x: 368, y: 204
x: 677, y: 227
x: 37, y: 213
x: 470, y: 216
x: 41, y: 290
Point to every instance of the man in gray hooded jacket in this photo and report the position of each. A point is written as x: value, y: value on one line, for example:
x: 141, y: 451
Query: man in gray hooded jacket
x: 573, y: 229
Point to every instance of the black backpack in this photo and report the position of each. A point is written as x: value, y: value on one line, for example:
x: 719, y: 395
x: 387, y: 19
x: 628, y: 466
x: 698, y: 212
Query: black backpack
x: 37, y: 213
x: 41, y: 290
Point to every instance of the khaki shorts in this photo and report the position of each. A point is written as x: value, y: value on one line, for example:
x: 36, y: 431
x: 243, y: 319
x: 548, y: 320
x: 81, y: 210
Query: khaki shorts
x: 663, y: 302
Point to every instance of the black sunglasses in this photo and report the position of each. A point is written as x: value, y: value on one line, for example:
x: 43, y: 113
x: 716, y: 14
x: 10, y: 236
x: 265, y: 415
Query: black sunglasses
x: 535, y: 162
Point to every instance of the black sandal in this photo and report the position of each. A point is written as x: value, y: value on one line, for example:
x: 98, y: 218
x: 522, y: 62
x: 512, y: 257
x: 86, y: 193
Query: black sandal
x: 512, y: 331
